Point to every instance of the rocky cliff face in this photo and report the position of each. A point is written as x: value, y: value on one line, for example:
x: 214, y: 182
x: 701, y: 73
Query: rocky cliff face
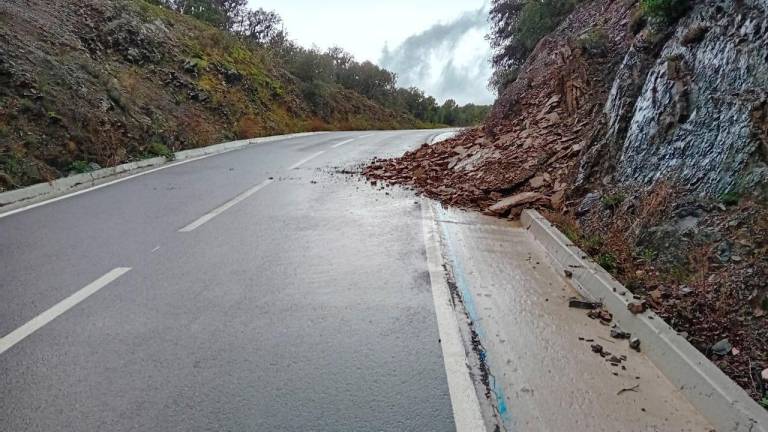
x: 647, y: 145
x: 699, y: 119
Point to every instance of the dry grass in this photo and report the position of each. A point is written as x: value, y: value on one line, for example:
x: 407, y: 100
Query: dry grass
x: 248, y: 127
x: 610, y: 235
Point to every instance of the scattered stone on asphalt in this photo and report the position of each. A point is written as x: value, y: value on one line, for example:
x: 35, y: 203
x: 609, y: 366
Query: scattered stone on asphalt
x: 634, y: 343
x: 722, y: 347
x: 568, y: 274
x: 603, y: 315
x: 597, y: 348
x: 583, y: 304
x: 636, y: 307
x: 618, y: 333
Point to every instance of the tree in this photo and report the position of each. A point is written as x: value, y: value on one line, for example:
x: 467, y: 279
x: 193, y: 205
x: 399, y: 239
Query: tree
x: 204, y: 10
x: 504, y: 19
x: 517, y: 26
x: 320, y: 73
x: 260, y: 26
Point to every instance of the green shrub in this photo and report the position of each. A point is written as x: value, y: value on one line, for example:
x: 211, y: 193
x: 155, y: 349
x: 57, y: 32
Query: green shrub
x: 54, y: 118
x: 503, y: 78
x: 160, y: 149
x: 592, y: 243
x: 667, y: 11
x: 594, y: 41
x: 539, y: 18
x: 79, y: 166
x: 612, y: 201
x: 730, y: 198
x: 12, y: 164
x: 647, y: 255
x: 27, y: 106
x: 608, y: 262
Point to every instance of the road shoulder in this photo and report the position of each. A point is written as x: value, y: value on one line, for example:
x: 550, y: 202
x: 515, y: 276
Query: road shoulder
x: 542, y: 371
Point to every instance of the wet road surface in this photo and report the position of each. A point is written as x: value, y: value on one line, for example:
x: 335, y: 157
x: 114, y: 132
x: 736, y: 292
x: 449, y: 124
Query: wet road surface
x: 264, y: 290
x: 259, y: 290
x: 545, y: 376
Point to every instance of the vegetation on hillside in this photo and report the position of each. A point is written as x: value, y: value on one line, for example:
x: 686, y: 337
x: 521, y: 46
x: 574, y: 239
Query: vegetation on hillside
x: 319, y: 70
x: 516, y: 27
x: 111, y: 81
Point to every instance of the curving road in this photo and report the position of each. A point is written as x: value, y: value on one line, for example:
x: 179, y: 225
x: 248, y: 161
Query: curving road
x: 256, y: 290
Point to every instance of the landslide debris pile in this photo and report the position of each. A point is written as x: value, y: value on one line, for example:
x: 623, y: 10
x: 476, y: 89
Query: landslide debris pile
x: 89, y: 83
x: 646, y: 142
x: 538, y: 127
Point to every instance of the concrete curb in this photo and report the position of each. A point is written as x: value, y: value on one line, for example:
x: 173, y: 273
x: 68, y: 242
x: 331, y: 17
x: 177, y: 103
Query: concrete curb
x: 442, y: 136
x: 726, y: 405
x: 43, y: 191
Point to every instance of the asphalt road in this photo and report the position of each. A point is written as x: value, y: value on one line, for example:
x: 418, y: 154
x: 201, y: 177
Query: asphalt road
x: 266, y: 292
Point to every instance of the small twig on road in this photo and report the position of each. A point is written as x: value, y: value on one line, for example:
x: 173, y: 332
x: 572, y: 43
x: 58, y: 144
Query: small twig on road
x: 631, y: 389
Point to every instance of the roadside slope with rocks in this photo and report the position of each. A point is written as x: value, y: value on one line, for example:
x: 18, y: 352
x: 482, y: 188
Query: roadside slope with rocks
x: 647, y: 145
x: 88, y: 83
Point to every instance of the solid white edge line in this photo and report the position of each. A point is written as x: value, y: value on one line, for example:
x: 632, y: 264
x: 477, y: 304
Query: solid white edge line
x: 44, y: 318
x: 226, y: 206
x: 305, y: 160
x: 466, y: 406
x: 337, y: 145
x: 103, y: 185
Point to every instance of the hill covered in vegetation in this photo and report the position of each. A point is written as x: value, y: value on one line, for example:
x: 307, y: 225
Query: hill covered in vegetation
x: 89, y: 83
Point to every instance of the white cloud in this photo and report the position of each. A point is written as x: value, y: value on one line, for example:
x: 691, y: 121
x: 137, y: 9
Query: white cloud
x: 449, y: 60
x: 457, y: 70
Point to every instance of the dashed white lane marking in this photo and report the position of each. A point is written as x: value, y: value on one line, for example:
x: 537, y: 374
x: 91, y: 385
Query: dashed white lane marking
x: 44, y: 318
x: 305, y: 160
x: 366, y: 136
x: 234, y: 201
x: 157, y: 248
x: 337, y: 145
x: 226, y: 206
x: 466, y: 406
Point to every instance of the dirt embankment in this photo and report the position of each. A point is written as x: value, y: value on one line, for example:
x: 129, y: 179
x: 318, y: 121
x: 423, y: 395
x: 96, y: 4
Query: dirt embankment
x: 89, y: 83
x: 648, y: 147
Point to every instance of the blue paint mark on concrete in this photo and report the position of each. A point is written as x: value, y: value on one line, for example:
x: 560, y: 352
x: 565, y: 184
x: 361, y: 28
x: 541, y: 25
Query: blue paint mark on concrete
x: 469, y: 305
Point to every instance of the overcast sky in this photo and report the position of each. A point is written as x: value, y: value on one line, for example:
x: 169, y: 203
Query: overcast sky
x: 436, y: 45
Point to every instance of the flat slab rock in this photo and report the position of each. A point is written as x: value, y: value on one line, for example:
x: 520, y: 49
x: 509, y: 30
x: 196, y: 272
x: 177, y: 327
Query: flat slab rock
x: 506, y: 204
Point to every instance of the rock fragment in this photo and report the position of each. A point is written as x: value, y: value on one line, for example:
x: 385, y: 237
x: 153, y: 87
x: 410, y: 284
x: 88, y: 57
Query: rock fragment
x: 583, y: 304
x: 504, y: 205
x: 722, y: 347
x: 636, y: 307
x: 618, y: 333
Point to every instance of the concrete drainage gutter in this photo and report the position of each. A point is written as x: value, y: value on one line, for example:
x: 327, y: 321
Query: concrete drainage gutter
x: 726, y: 405
x: 43, y: 191
x: 443, y: 136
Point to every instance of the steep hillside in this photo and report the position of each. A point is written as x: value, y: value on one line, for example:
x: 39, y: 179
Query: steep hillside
x: 87, y: 83
x: 645, y: 140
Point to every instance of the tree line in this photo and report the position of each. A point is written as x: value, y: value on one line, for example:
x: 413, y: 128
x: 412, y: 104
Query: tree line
x: 319, y: 71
